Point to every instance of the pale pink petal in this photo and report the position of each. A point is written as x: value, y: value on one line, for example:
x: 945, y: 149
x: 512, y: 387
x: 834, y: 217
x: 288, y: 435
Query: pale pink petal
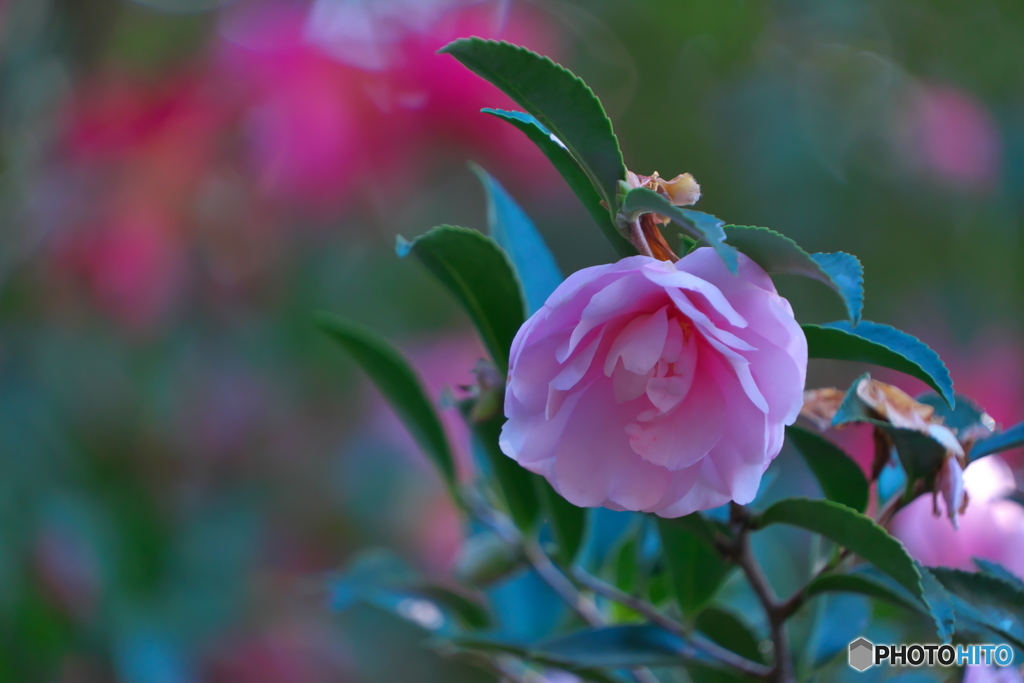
x: 639, y: 344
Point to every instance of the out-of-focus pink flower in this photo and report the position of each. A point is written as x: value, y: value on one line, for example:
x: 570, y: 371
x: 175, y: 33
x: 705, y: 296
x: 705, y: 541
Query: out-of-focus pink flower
x: 291, y: 650
x: 647, y: 385
x: 991, y: 372
x: 992, y: 674
x: 950, y: 136
x: 351, y: 96
x: 991, y: 528
x: 435, y: 535
x: 302, y: 112
x: 133, y: 269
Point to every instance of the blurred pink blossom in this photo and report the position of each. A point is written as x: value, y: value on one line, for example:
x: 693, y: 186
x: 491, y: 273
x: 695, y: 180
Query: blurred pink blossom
x: 992, y: 674
x: 132, y: 268
x: 350, y: 97
x: 292, y: 650
x: 950, y: 135
x: 991, y: 528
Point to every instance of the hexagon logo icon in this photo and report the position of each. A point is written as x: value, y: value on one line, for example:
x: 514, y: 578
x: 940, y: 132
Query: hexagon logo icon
x: 862, y: 654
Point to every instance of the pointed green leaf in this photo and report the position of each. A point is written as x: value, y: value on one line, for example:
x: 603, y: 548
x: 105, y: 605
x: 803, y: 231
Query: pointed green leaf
x: 935, y: 601
x: 778, y: 254
x: 841, y: 478
x: 847, y: 273
x: 468, y: 608
x: 881, y: 345
x: 514, y: 232
x: 997, y: 443
x: 570, y: 170
x: 989, y: 601
x: 700, y: 226
x: 615, y: 647
x: 729, y: 631
x: 516, y: 484
x: 966, y: 415
x: 861, y: 585
x: 850, y: 529
x: 939, y: 603
x: 568, y: 522
x: 696, y: 568
x: 479, y: 274
x: 998, y: 571
x: 557, y: 98
x: 485, y: 559
x: 516, y: 647
x: 399, y: 384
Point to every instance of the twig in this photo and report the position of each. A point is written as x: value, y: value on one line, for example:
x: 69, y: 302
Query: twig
x: 578, y: 603
x: 582, y: 606
x: 782, y: 672
x: 655, y: 616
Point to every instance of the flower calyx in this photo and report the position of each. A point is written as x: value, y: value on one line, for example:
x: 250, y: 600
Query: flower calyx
x: 643, y: 231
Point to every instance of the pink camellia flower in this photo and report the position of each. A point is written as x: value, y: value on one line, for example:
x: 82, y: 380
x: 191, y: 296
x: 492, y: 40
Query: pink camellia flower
x: 656, y: 386
x: 991, y: 528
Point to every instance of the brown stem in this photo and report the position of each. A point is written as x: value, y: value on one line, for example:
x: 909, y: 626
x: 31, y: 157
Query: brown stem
x: 652, y: 614
x: 782, y: 672
x: 582, y: 606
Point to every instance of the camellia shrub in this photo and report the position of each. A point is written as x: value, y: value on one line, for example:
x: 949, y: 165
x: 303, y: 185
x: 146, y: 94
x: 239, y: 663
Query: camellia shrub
x: 627, y: 426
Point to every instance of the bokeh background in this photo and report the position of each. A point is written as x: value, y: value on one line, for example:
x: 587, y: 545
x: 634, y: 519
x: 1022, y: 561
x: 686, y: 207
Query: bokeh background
x: 185, y: 459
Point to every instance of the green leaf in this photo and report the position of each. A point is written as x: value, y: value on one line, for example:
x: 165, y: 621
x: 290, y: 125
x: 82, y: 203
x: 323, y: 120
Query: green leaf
x: 966, y: 415
x: 939, y: 603
x: 400, y: 386
x: 778, y: 254
x: 847, y: 273
x: 570, y: 170
x: 514, y: 232
x: 615, y: 647
x: 700, y: 226
x: 497, y: 645
x: 989, y: 601
x: 568, y: 523
x: 998, y: 571
x: 485, y: 559
x: 935, y: 602
x: 500, y: 645
x: 479, y: 274
x: 729, y: 631
x: 997, y: 443
x: 881, y: 345
x: 696, y: 568
x: 516, y: 484
x: 468, y: 608
x: 557, y: 98
x: 861, y: 585
x: 851, y: 529
x: 382, y: 579
x: 841, y: 478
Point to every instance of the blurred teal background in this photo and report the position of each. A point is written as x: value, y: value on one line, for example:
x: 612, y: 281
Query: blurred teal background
x: 184, y: 458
